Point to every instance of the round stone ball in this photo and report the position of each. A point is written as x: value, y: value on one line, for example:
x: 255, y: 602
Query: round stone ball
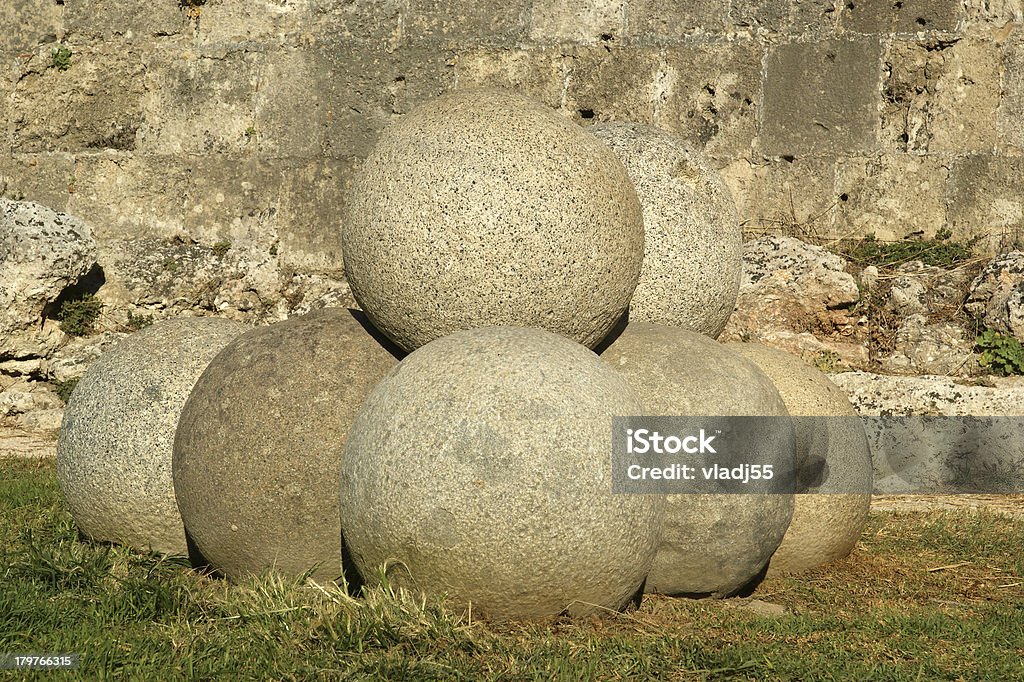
x: 115, y: 442
x: 834, y: 467
x: 479, y: 468
x: 691, y: 270
x: 712, y: 545
x: 486, y: 208
x: 258, y: 449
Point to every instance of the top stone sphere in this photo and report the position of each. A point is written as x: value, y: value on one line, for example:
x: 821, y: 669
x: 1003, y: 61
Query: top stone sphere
x: 486, y: 208
x: 693, y: 252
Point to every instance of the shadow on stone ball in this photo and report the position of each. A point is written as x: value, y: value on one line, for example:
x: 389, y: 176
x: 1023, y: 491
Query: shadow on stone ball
x: 379, y: 336
x: 616, y: 331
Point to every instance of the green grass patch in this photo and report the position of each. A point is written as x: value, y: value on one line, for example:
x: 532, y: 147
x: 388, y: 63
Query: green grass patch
x: 78, y: 316
x: 934, y: 596
x: 942, y: 251
x: 1000, y: 354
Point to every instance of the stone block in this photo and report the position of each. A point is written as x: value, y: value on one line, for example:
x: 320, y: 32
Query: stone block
x: 28, y: 24
x: 500, y: 22
x: 122, y: 195
x: 47, y: 179
x: 1011, y: 106
x: 134, y: 21
x: 986, y: 199
x: 227, y: 25
x: 334, y: 102
x: 891, y: 196
x: 374, y: 20
x: 778, y: 196
x: 569, y: 21
x: 772, y: 16
x: 902, y: 16
x: 821, y: 97
x: 94, y: 104
x: 653, y: 21
x: 983, y: 15
x: 710, y: 95
x: 612, y: 84
x: 312, y: 201
x: 200, y: 105
x: 941, y: 96
x: 539, y: 72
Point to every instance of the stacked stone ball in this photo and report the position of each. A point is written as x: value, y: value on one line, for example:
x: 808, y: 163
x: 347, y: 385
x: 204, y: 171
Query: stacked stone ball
x: 115, y: 443
x: 482, y: 208
x: 834, y: 472
x: 259, y: 444
x: 479, y: 468
x: 711, y: 544
x: 499, y: 244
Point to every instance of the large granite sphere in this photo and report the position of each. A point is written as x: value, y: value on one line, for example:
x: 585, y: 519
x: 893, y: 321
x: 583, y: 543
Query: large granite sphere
x: 833, y: 463
x: 711, y: 544
x: 693, y: 251
x: 479, y: 468
x: 114, y: 448
x: 485, y: 208
x: 258, y: 449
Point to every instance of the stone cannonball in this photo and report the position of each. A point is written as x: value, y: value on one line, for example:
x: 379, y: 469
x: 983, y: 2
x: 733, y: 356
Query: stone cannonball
x: 833, y: 463
x: 114, y: 448
x: 693, y: 242
x: 258, y: 449
x: 485, y: 208
x: 479, y: 468
x: 711, y: 544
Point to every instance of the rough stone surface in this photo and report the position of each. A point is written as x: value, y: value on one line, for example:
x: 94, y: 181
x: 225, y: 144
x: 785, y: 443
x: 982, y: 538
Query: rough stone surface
x: 908, y: 16
x: 481, y: 464
x: 930, y: 453
x: 997, y: 294
x: 880, y: 394
x: 692, y: 239
x: 42, y: 253
x: 258, y: 447
x: 798, y: 297
x: 821, y: 97
x: 711, y: 545
x: 833, y: 463
x: 606, y: 83
x: 711, y: 95
x: 114, y: 450
x: 986, y: 200
x: 484, y: 208
x: 941, y: 96
x: 872, y: 190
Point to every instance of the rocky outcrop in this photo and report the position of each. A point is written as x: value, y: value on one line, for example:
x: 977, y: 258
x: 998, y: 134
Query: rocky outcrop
x: 997, y: 294
x: 798, y: 297
x: 42, y: 255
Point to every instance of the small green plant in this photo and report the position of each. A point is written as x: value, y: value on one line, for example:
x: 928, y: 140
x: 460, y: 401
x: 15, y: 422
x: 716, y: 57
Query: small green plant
x: 829, y: 362
x: 941, y: 251
x: 250, y: 132
x: 60, y: 58
x: 78, y: 316
x: 64, y: 388
x: 137, y: 322
x: 221, y: 248
x: 273, y: 249
x: 171, y: 265
x: 1000, y: 354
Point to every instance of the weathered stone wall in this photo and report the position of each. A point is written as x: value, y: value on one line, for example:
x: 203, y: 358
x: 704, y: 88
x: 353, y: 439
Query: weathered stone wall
x: 242, y: 121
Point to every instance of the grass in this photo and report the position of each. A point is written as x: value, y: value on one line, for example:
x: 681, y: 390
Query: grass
x: 934, y: 596
x: 942, y: 251
x: 78, y: 316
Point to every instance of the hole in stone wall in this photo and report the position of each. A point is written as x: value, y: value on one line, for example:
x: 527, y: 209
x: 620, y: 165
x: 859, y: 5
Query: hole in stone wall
x: 788, y: 158
x: 851, y: 6
x: 897, y: 5
x: 587, y: 113
x: 920, y: 21
x: 844, y: 197
x: 607, y: 37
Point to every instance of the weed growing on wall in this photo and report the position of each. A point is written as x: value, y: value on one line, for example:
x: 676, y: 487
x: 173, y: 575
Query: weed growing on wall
x: 942, y: 251
x: 60, y: 58
x: 78, y: 316
x: 1000, y: 354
